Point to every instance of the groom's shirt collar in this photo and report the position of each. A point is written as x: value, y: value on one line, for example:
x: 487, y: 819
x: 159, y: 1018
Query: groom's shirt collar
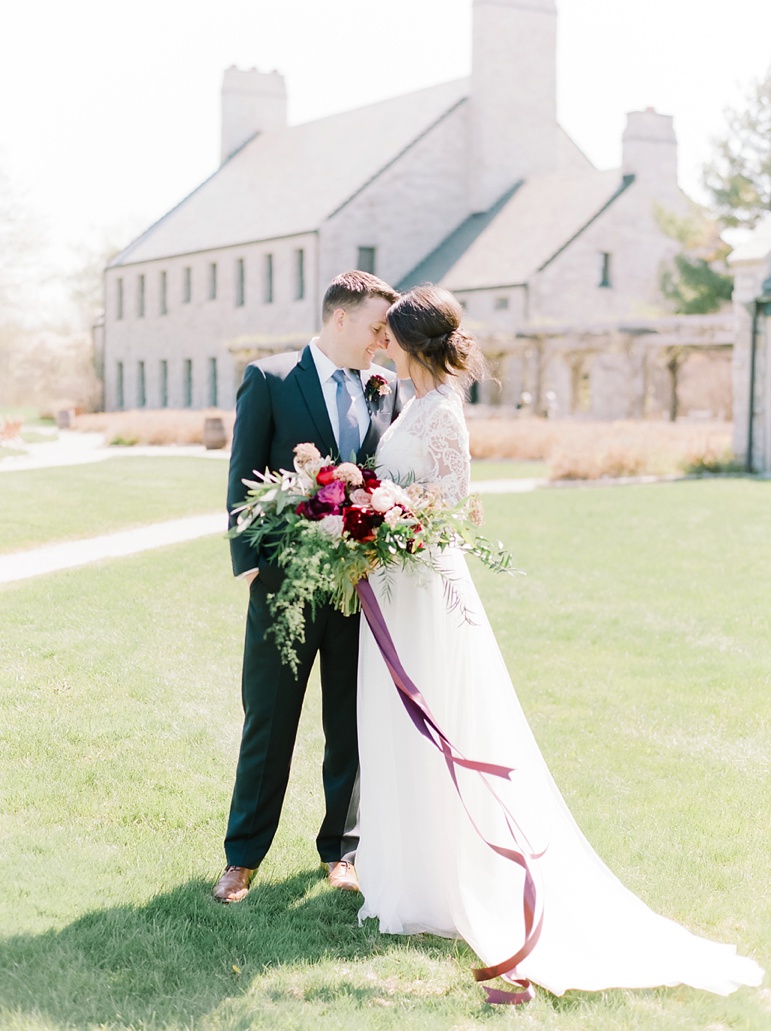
x: 325, y: 367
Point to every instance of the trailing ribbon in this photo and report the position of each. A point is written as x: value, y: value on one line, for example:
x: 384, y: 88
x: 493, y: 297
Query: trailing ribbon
x: 521, y: 854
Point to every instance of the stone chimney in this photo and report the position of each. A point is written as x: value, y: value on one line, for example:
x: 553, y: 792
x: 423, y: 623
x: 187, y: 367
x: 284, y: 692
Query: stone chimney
x: 513, y: 106
x: 650, y: 148
x: 252, y: 101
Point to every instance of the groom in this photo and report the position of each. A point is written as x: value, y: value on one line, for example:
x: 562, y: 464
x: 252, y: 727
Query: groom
x: 316, y: 396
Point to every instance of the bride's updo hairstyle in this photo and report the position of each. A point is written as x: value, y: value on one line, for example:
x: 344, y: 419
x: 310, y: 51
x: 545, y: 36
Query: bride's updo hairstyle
x: 426, y: 324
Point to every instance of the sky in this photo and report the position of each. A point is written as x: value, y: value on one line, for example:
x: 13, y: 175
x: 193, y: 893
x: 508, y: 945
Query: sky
x: 109, y: 113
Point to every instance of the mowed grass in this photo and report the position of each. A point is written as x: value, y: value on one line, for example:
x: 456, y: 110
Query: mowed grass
x: 639, y: 644
x: 508, y: 469
x: 38, y: 506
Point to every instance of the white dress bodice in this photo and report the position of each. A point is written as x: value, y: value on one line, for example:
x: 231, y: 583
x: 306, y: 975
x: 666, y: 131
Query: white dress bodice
x: 429, y: 442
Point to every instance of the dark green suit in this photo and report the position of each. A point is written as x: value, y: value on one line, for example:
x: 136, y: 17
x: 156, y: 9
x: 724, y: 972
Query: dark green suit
x: 280, y: 404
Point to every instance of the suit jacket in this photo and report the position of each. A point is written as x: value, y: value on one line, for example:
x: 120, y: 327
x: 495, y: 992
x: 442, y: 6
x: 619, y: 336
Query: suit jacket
x: 281, y: 404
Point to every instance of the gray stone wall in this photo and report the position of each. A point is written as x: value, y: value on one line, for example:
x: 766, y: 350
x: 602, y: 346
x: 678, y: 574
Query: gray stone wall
x: 204, y: 328
x: 408, y: 209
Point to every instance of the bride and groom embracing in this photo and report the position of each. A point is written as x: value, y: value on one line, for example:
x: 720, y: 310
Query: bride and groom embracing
x: 434, y: 845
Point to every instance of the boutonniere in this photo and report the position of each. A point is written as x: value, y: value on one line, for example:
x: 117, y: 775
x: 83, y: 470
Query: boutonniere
x: 376, y: 389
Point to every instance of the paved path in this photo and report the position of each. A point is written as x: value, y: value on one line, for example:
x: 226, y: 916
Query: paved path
x: 23, y: 565
x: 74, y: 448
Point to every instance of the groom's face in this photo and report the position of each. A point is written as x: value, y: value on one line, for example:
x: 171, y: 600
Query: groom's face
x: 362, y: 333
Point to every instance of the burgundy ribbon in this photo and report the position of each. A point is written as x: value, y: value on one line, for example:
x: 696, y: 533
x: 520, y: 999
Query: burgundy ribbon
x: 521, y: 854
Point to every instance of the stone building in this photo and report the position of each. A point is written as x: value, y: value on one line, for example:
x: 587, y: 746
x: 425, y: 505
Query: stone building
x: 471, y: 183
x: 751, y: 263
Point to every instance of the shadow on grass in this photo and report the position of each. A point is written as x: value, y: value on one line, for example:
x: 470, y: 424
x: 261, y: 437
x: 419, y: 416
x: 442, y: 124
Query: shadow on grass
x: 182, y: 954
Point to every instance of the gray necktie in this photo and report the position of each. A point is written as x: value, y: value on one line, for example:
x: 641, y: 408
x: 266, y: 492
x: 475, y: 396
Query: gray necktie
x: 348, y: 437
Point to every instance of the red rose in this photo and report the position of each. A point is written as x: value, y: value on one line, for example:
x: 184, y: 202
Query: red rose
x: 371, y: 482
x: 325, y: 475
x: 360, y: 523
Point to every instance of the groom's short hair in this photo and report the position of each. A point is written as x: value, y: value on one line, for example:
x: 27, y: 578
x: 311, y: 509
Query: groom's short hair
x: 351, y: 289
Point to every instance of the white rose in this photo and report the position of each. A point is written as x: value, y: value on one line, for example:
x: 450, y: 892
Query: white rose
x: 381, y: 499
x: 332, y: 524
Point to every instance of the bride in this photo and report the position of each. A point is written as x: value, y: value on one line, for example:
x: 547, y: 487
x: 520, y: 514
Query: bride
x: 425, y: 860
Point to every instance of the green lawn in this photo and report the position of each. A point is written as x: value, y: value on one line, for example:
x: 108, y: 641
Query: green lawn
x: 41, y: 505
x: 638, y: 643
x: 487, y: 469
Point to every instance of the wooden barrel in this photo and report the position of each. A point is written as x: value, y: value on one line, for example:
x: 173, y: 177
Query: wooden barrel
x: 214, y: 435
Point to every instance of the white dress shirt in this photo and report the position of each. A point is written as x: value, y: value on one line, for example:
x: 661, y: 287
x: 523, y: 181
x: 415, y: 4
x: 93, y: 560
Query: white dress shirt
x: 326, y: 369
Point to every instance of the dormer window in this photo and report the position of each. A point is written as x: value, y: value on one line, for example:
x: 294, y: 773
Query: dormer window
x: 605, y: 269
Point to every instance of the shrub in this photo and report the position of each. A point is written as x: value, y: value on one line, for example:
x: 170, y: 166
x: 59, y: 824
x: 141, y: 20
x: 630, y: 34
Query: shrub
x: 591, y: 450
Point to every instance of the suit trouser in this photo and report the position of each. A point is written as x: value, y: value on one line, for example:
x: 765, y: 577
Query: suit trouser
x: 272, y: 698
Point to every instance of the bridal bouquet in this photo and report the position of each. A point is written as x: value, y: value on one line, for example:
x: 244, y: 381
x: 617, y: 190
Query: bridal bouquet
x: 328, y: 526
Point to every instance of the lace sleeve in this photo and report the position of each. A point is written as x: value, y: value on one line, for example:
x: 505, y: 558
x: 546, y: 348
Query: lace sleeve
x: 447, y: 442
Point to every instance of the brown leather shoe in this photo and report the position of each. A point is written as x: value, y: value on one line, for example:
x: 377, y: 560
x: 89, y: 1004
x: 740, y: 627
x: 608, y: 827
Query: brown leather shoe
x: 342, y: 875
x: 234, y: 884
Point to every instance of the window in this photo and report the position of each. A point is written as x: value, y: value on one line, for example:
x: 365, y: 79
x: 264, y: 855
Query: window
x: 501, y: 303
x: 164, y: 384
x: 213, y: 281
x: 213, y: 382
x: 605, y: 269
x: 141, y: 297
x: 164, y: 308
x: 366, y: 260
x: 240, y: 285
x: 267, y: 286
x: 187, y: 383
x: 187, y: 285
x: 141, y: 385
x: 120, y: 397
x: 119, y: 299
x: 299, y: 269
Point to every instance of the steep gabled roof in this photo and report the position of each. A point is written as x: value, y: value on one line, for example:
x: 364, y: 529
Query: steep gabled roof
x: 290, y: 180
x: 539, y: 220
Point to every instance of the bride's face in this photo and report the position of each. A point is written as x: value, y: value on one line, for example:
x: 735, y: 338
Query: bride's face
x: 399, y: 357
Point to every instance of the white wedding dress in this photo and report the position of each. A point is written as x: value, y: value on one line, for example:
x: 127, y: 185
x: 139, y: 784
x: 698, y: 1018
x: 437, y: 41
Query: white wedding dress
x: 422, y: 866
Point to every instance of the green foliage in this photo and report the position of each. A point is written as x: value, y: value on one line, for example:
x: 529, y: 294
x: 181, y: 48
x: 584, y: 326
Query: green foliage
x: 739, y: 176
x: 694, y: 287
x: 714, y: 465
x: 698, y: 282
